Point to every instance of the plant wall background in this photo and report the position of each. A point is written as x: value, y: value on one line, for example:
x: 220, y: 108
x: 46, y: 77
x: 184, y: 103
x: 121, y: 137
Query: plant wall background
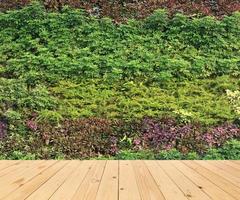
x: 78, y: 85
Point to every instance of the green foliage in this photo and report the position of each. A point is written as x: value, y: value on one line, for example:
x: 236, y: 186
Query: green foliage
x: 103, y: 158
x: 234, y: 98
x: 131, y: 155
x: 172, y: 154
x: 203, y: 101
x: 15, y: 94
x: 13, y: 115
x: 49, y: 116
x: 40, y: 46
x: 137, y: 69
x: 192, y: 156
x: 18, y: 155
x: 213, y: 154
x: 59, y: 66
x: 157, y: 21
x: 229, y: 151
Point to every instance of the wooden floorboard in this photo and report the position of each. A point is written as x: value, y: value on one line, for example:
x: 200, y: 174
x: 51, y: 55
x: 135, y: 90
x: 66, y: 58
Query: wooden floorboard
x: 124, y: 180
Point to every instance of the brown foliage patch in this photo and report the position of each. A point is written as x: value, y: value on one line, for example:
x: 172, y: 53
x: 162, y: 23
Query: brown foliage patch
x: 121, y: 10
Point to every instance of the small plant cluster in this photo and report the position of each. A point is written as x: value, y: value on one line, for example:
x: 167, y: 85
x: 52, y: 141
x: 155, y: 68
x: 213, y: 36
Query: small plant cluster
x: 167, y: 134
x: 83, y: 138
x: 234, y: 97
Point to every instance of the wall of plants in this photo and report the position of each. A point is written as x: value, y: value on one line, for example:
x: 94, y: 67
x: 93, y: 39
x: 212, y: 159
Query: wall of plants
x: 73, y: 85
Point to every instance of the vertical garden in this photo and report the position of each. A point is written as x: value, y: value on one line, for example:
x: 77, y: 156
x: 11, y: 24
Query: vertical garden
x: 77, y: 83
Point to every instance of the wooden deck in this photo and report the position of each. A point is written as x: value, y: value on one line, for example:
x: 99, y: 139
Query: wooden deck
x: 132, y: 180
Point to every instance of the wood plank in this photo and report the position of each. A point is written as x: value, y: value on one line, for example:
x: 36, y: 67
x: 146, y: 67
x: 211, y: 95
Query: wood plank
x: 166, y: 185
x: 204, y: 184
x: 73, y: 182
x: 128, y: 189
x: 28, y: 188
x: 12, y: 182
x: 8, y: 164
x: 48, y: 188
x: 233, y: 164
x: 132, y: 180
x: 16, y: 176
x: 18, y: 169
x: 221, y: 172
x: 227, y: 168
x: 186, y: 185
x: 15, y: 168
x: 89, y: 187
x: 221, y: 182
x: 235, y: 161
x: 146, y: 184
x: 108, y: 189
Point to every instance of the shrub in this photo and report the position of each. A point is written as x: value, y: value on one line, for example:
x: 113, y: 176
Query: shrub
x: 167, y: 134
x: 229, y: 151
x: 48, y: 116
x: 131, y: 155
x: 81, y: 138
x: 216, y: 136
x: 18, y: 155
x: 192, y: 156
x: 213, y: 154
x: 172, y: 154
x: 16, y: 145
x: 203, y: 101
x: 15, y: 95
x: 234, y: 98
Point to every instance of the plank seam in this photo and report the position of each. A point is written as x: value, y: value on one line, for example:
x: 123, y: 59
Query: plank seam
x: 210, y: 179
x: 222, y: 177
x: 154, y: 179
x: 27, y: 181
x: 192, y: 181
x: 83, y: 180
x: 220, y: 167
x: 235, y: 167
x: 63, y: 181
x: 46, y: 179
x: 16, y: 163
x: 118, y: 196
x: 101, y: 177
x: 174, y: 182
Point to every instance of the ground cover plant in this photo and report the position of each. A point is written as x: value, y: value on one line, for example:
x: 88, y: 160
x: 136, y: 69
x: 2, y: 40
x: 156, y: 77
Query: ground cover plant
x: 73, y: 85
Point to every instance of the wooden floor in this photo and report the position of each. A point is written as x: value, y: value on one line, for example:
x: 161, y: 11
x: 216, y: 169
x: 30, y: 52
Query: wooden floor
x: 103, y: 180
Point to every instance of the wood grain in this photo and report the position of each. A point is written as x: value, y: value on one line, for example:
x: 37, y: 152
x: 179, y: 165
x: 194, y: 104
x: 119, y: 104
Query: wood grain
x: 124, y: 180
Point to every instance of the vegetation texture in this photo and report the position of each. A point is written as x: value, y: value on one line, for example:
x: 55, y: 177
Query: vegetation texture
x: 76, y: 86
x: 122, y: 10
